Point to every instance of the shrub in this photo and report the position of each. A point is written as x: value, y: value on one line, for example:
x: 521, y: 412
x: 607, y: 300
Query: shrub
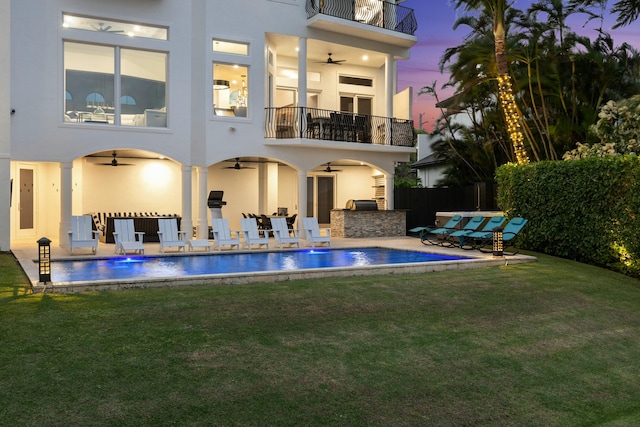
x: 586, y: 210
x: 617, y: 129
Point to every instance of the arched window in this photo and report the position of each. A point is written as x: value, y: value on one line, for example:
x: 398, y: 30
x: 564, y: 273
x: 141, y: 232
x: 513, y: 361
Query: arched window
x: 94, y: 99
x: 67, y: 95
x: 127, y: 100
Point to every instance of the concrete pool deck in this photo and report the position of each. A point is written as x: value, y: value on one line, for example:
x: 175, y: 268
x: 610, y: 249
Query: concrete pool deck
x: 27, y: 254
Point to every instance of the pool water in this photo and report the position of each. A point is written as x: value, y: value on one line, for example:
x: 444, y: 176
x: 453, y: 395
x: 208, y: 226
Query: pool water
x: 195, y: 265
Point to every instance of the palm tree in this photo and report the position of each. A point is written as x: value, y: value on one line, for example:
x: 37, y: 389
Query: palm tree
x: 627, y: 10
x: 505, y: 89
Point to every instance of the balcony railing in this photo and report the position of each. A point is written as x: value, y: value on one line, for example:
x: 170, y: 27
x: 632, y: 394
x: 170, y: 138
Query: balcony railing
x: 328, y: 125
x: 377, y: 13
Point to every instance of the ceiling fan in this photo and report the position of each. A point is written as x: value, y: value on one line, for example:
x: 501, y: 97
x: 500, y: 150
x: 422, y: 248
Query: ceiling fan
x: 332, y: 61
x: 105, y: 29
x: 238, y: 166
x: 328, y: 169
x: 114, y: 162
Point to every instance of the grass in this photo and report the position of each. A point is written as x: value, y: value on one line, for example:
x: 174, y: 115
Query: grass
x: 549, y: 343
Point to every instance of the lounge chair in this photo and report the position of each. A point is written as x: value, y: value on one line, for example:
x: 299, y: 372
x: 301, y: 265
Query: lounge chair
x: 314, y: 233
x: 283, y: 235
x: 472, y: 225
x: 439, y: 233
x: 126, y: 237
x: 223, y: 235
x: 464, y: 239
x: 251, y: 233
x: 169, y: 234
x: 82, y: 234
x: 484, y: 239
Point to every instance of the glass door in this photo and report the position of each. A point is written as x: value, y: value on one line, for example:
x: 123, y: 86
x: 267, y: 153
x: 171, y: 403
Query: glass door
x: 321, y: 197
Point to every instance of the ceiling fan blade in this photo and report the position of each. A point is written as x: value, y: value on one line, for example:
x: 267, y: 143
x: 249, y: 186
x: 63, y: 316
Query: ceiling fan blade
x: 238, y: 166
x: 114, y: 162
x: 329, y: 169
x: 332, y: 61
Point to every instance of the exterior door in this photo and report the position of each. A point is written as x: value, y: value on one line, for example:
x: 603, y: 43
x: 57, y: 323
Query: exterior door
x: 356, y: 104
x: 26, y: 201
x: 325, y: 198
x: 320, y: 197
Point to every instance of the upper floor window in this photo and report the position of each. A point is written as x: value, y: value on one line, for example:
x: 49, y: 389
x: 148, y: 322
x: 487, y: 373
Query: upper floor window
x: 90, y: 73
x: 230, y: 90
x: 122, y: 28
x: 225, y: 46
x: 112, y: 84
x: 230, y: 80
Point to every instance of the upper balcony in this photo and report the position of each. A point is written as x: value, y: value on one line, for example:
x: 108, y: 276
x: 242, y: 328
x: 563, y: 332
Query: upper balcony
x: 372, y: 19
x: 328, y: 125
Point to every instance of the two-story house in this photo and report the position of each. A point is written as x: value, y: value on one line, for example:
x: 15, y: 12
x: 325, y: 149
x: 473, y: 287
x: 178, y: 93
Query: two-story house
x: 146, y: 106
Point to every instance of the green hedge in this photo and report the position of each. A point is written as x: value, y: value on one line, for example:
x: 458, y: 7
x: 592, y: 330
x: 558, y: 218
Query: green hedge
x: 587, y: 210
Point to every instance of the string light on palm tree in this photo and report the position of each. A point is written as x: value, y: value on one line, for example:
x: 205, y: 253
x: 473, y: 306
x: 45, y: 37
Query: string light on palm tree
x: 512, y: 117
x: 505, y: 90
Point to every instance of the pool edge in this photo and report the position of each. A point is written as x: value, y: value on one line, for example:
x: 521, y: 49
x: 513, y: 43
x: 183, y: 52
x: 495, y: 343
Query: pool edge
x: 280, y: 276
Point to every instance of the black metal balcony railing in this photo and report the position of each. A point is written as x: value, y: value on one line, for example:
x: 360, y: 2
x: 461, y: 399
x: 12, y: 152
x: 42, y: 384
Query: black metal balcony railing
x: 371, y: 12
x: 328, y: 125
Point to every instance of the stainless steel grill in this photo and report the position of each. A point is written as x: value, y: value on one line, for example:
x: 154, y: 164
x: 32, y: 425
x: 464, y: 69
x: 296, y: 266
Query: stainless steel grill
x: 362, y: 205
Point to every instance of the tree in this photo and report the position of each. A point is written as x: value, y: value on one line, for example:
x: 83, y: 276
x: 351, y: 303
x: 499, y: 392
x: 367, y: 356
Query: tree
x: 560, y: 82
x: 627, y: 10
x: 505, y: 88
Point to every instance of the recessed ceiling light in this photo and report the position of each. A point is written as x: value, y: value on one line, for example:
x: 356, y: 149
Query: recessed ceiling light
x: 365, y: 57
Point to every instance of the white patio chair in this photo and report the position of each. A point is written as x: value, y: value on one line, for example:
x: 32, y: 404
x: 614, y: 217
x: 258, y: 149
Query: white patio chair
x: 252, y: 234
x: 315, y: 233
x: 222, y: 234
x: 126, y: 237
x: 169, y: 234
x: 82, y: 234
x: 282, y: 233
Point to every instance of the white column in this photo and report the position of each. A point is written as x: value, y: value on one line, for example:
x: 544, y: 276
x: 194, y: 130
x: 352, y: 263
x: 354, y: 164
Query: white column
x: 302, y: 86
x: 66, y: 202
x: 202, y: 229
x: 186, y: 223
x: 388, y: 191
x: 302, y: 72
x: 390, y: 82
x: 302, y: 200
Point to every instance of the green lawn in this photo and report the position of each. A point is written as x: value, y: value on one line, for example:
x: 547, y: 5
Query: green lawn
x: 547, y: 343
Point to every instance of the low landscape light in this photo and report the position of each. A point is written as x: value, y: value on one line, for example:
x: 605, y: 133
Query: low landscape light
x: 44, y: 260
x: 498, y: 243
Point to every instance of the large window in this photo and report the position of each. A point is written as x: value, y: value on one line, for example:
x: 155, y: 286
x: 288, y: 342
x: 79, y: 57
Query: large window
x: 112, y: 84
x: 230, y: 80
x: 230, y: 90
x: 90, y: 78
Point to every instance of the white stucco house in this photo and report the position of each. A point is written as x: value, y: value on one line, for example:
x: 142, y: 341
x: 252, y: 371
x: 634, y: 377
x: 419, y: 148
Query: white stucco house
x: 146, y: 106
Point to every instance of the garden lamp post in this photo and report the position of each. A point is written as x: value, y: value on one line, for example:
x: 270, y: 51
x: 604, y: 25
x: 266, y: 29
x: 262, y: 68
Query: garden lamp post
x: 497, y: 242
x: 44, y: 260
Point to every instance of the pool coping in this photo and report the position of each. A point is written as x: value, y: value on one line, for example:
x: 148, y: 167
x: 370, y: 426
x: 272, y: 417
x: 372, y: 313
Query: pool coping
x: 476, y: 260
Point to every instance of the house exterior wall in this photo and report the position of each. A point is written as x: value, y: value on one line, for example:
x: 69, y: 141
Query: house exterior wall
x: 5, y: 140
x: 194, y: 142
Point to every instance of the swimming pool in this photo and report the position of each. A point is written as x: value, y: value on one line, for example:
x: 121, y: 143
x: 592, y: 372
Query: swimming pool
x: 141, y: 268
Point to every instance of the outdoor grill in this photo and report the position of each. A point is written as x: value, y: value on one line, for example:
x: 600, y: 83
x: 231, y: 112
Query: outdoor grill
x: 215, y: 199
x: 362, y: 205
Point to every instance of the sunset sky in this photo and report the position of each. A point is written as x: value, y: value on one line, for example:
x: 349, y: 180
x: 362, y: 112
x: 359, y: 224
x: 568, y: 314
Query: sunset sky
x: 435, y: 34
